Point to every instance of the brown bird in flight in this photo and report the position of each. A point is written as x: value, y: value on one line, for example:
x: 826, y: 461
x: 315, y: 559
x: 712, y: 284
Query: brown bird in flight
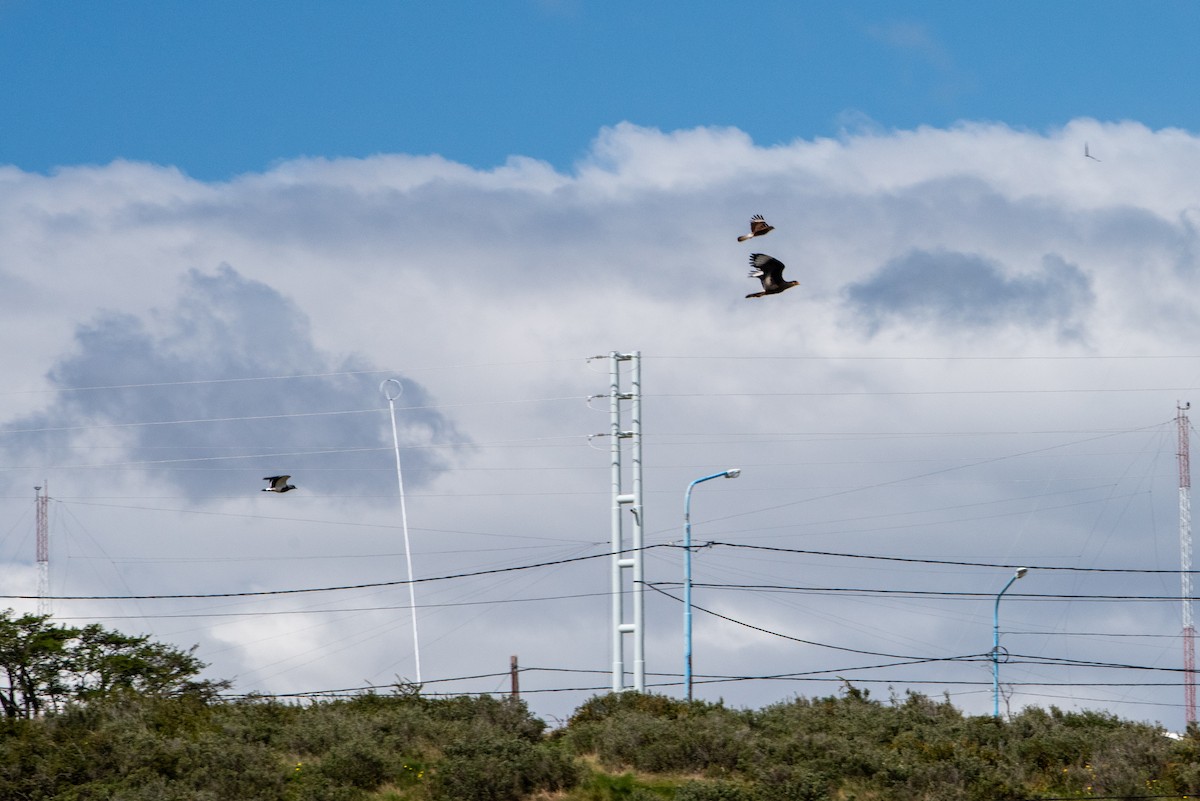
x: 278, y: 484
x: 769, y: 270
x: 758, y: 227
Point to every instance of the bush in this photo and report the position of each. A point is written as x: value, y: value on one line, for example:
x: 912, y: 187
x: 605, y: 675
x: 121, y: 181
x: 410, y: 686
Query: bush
x: 598, y: 786
x: 142, y: 747
x: 658, y: 735
x: 501, y: 769
x: 360, y: 763
x: 716, y: 791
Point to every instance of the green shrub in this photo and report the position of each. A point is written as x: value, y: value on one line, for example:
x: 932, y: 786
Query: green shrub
x: 131, y: 747
x: 716, y: 791
x: 622, y: 787
x: 360, y: 763
x: 602, y: 707
x: 791, y: 783
x: 501, y: 769
x: 659, y: 735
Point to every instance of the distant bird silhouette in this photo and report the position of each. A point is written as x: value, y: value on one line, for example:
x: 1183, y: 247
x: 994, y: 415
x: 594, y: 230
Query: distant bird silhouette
x: 1087, y: 154
x: 758, y: 227
x: 278, y: 484
x: 769, y: 270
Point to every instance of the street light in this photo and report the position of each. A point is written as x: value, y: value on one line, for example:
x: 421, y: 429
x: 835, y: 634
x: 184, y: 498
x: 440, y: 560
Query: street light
x: 1021, y: 571
x: 687, y: 573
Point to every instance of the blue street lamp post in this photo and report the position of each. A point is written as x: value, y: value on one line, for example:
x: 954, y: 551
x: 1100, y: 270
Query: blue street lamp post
x: 687, y: 573
x: 1021, y: 571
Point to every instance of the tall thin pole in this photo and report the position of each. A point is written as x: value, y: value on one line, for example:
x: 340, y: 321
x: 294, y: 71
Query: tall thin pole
x: 996, y: 642
x: 1185, y: 563
x: 43, y: 548
x: 687, y: 573
x: 626, y: 562
x: 392, y: 389
x: 639, y: 522
x: 617, y: 538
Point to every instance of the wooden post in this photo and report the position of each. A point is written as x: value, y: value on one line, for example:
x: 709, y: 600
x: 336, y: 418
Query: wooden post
x: 516, y: 682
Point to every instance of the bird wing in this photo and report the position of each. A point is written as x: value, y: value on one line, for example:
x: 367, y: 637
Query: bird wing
x: 758, y: 225
x: 277, y: 481
x: 768, y: 268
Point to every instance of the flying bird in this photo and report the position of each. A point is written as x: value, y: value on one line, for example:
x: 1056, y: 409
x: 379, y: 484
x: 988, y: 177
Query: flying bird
x: 758, y: 227
x: 769, y: 270
x: 278, y: 484
x: 1087, y: 154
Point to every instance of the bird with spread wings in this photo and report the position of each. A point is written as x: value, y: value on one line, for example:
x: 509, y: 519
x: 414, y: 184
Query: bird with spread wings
x: 758, y: 227
x: 278, y: 484
x: 768, y: 270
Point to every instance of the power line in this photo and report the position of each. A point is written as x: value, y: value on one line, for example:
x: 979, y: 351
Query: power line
x: 389, y: 608
x: 93, y: 426
x: 907, y: 657
x: 876, y: 358
x: 195, y: 382
x: 369, y: 585
x: 282, y: 416
x: 1026, y: 658
x: 868, y: 592
x: 1011, y: 632
x: 675, y: 679
x: 308, y: 520
x: 551, y: 563
x: 940, y: 471
x: 295, y: 376
x: 918, y: 393
x: 952, y: 562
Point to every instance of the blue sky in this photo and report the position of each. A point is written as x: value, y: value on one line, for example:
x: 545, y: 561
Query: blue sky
x: 220, y: 88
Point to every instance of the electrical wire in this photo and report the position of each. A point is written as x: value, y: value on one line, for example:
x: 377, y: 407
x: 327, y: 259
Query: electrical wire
x: 869, y: 592
x: 952, y: 562
x: 366, y: 585
x: 909, y: 658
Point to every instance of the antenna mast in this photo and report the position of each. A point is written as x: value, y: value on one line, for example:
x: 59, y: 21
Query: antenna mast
x: 43, y: 549
x: 627, y: 571
x: 1185, y: 563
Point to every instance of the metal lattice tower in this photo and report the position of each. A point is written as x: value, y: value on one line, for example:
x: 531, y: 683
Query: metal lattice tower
x: 628, y: 617
x: 1185, y: 563
x: 43, y: 550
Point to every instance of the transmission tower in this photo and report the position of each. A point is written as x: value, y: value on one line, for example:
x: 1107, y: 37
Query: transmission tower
x: 1185, y: 563
x: 43, y: 549
x: 627, y: 572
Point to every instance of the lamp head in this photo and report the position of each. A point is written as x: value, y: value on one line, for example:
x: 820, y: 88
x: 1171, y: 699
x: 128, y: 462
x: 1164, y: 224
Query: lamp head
x: 733, y: 472
x: 1021, y: 571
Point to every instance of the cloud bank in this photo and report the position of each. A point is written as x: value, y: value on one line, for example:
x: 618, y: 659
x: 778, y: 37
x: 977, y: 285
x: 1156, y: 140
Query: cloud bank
x: 981, y: 366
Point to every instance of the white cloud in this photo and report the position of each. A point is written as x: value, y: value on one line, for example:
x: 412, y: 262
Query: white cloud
x: 985, y: 410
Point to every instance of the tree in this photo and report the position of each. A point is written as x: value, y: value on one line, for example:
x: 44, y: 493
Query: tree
x: 33, y: 655
x: 47, y: 665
